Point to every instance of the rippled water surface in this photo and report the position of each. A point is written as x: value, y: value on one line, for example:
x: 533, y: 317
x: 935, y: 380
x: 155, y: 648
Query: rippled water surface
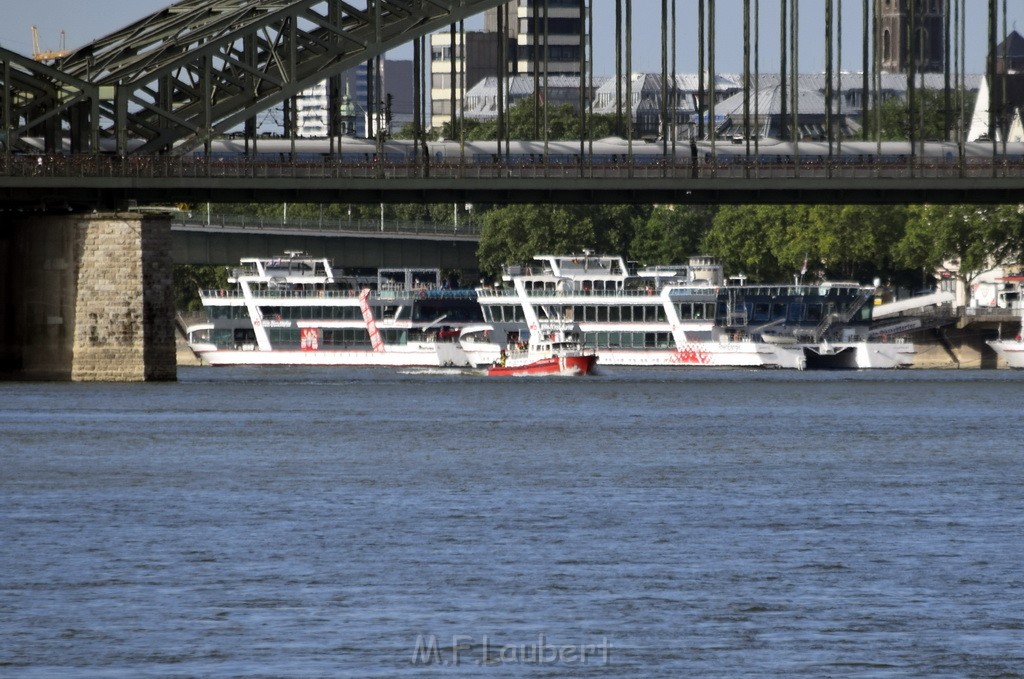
x: 292, y: 523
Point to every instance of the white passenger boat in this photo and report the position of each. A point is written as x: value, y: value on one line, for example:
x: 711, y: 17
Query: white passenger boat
x: 686, y: 315
x: 1011, y: 350
x: 297, y: 310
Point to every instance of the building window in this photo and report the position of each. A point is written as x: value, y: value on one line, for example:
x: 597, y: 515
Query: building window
x: 886, y: 46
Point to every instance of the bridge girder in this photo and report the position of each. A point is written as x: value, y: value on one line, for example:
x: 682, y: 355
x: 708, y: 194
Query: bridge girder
x: 35, y: 99
x: 199, y: 68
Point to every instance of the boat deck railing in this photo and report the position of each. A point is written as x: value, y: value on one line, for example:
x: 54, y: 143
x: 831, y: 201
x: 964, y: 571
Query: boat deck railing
x: 404, y: 295
x: 629, y: 292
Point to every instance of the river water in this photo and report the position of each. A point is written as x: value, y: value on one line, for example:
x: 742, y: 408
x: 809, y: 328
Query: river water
x: 641, y: 523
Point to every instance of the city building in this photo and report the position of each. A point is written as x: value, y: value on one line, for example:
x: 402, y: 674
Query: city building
x: 1008, y: 99
x: 645, y: 106
x: 929, y: 30
x: 562, y: 22
x: 527, y: 22
x: 1010, y: 54
x: 471, y: 63
x: 312, y: 106
x: 482, y: 99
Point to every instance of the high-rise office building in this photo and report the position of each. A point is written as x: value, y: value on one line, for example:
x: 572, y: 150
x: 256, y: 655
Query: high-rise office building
x: 557, y: 24
x: 526, y: 24
x: 453, y: 70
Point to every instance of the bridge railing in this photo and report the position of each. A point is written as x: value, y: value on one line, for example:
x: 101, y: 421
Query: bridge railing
x: 186, y: 167
x: 335, y: 224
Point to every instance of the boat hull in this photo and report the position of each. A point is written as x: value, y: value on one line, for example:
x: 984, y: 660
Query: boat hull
x: 858, y: 355
x: 425, y: 356
x: 554, y: 365
x: 1011, y: 351
x: 705, y: 355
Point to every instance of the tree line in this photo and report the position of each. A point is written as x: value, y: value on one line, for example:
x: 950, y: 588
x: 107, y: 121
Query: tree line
x: 901, y: 246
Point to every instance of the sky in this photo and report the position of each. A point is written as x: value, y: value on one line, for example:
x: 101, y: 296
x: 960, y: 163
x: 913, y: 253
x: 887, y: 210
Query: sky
x: 85, y: 20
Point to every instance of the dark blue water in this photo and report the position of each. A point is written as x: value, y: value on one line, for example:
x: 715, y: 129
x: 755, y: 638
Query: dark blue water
x: 294, y: 523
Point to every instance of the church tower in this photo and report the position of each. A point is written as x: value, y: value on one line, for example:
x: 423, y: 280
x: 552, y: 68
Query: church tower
x: 929, y: 20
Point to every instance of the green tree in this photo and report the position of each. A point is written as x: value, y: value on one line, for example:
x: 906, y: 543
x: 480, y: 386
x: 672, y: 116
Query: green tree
x: 842, y: 242
x: 671, y: 234
x: 563, y: 123
x: 189, y: 279
x: 771, y: 243
x: 742, y: 237
x: 893, y: 116
x: 515, y: 234
x: 962, y: 240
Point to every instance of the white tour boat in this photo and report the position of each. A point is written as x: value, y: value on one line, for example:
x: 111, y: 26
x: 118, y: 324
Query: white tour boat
x: 296, y: 310
x: 683, y: 315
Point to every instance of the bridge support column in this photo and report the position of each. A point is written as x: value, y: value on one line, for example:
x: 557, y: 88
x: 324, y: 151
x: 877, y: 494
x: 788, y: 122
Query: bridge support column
x: 88, y: 298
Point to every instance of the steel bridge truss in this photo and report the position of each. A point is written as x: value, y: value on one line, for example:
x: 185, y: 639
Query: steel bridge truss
x: 200, y: 68
x: 40, y: 100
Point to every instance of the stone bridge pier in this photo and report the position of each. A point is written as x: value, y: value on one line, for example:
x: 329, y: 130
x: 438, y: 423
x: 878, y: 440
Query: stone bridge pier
x: 87, y: 297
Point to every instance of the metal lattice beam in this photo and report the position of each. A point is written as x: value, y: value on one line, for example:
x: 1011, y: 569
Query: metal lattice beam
x: 199, y: 68
x: 36, y: 98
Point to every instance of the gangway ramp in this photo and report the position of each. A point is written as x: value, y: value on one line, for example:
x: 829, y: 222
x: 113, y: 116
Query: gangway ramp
x: 914, y: 304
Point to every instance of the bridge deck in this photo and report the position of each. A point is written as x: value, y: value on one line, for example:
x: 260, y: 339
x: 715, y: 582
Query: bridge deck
x: 111, y: 182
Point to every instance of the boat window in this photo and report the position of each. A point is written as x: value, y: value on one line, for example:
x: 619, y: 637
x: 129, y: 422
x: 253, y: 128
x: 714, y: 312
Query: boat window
x: 778, y: 311
x: 761, y: 313
x: 222, y: 338
x: 814, y: 312
x: 245, y: 336
x: 796, y: 312
x: 346, y: 337
x: 395, y: 336
x: 284, y: 336
x: 614, y: 314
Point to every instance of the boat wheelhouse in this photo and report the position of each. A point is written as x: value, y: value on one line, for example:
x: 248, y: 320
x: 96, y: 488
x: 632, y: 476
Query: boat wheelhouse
x: 298, y: 310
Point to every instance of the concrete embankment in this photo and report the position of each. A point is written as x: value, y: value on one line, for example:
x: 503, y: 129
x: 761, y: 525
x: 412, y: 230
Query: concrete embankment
x: 958, y: 348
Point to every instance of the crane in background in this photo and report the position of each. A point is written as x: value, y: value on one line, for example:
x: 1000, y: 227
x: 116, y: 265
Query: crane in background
x: 39, y: 55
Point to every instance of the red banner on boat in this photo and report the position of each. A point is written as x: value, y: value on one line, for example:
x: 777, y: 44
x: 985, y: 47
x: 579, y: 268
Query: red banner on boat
x: 309, y: 339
